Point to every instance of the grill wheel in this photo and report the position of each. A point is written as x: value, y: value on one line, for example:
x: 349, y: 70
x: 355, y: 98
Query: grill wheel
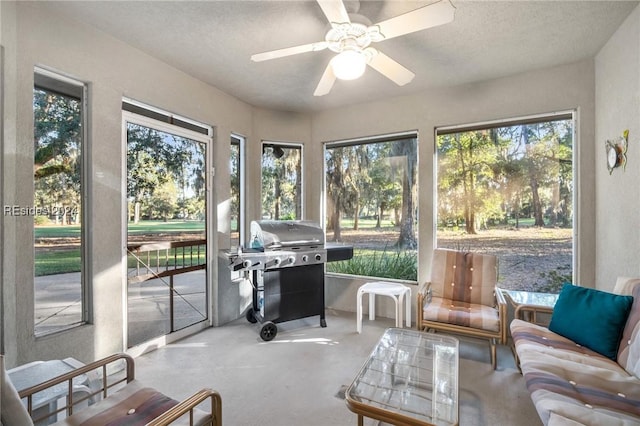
x: 268, y: 331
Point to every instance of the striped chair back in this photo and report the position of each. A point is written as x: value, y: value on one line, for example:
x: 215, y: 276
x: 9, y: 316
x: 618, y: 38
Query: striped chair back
x: 464, y: 277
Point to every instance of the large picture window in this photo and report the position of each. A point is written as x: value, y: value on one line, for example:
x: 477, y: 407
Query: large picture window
x: 371, y: 202
x: 281, y: 181
x: 59, y: 202
x: 507, y: 189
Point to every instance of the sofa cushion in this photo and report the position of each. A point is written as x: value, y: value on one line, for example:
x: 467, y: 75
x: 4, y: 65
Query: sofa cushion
x: 629, y: 350
x: 592, y: 318
x: 569, y: 382
x: 463, y: 314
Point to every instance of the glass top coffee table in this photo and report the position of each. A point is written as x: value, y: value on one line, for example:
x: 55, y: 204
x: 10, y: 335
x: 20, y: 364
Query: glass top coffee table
x: 410, y: 378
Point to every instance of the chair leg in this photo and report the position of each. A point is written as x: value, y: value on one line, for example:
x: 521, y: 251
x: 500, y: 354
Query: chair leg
x: 407, y: 306
x: 372, y: 306
x: 359, y: 312
x: 493, y: 353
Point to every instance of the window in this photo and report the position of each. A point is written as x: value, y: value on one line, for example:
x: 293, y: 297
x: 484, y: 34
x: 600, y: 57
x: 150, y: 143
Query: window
x: 371, y: 202
x: 59, y: 202
x: 166, y: 224
x: 281, y: 181
x: 507, y: 189
x: 236, y: 170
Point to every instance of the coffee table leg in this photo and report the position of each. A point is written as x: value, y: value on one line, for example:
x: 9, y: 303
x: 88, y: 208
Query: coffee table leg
x: 360, y: 420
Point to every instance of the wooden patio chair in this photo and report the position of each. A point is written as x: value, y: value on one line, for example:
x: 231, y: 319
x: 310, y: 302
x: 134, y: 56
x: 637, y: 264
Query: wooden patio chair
x: 116, y: 397
x: 462, y: 297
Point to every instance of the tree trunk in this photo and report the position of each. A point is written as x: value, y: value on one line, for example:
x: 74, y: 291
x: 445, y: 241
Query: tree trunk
x: 407, y: 238
x: 356, y: 213
x: 379, y: 219
x: 337, y: 234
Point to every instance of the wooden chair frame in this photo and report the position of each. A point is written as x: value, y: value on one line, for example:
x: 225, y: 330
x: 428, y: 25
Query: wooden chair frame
x: 500, y: 336
x: 108, y: 387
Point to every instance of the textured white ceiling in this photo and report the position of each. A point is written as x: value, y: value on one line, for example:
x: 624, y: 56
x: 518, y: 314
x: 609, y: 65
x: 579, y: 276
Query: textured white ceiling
x: 213, y: 40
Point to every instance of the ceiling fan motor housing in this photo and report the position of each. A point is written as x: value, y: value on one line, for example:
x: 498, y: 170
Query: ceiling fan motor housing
x: 352, y: 36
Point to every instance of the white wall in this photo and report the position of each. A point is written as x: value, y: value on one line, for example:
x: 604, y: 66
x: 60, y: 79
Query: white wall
x: 617, y: 91
x: 563, y: 88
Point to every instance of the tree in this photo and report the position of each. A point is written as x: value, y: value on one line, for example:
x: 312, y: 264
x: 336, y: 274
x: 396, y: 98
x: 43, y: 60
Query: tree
x: 406, y: 152
x: 155, y: 158
x: 465, y: 165
x: 164, y: 201
x: 336, y: 160
x: 281, y: 182
x: 57, y: 153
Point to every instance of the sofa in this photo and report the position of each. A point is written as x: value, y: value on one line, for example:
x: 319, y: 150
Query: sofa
x: 572, y: 384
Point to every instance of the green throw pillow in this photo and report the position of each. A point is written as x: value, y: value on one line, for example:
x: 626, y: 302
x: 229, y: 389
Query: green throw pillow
x: 592, y: 318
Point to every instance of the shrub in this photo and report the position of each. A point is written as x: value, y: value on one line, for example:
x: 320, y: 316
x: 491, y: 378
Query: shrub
x: 555, y: 279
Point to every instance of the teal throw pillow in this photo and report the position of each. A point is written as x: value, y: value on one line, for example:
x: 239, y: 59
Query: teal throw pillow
x: 592, y: 318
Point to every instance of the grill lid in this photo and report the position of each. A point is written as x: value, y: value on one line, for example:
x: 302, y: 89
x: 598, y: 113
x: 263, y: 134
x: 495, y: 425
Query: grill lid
x: 279, y: 234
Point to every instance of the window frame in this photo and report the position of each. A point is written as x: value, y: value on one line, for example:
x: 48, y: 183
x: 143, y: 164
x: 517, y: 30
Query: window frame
x: 56, y: 82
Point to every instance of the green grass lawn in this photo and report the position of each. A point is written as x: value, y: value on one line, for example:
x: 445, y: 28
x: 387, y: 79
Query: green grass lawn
x: 142, y: 227
x: 155, y: 226
x: 57, y: 262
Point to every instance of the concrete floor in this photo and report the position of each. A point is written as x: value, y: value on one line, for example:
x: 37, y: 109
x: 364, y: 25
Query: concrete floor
x: 297, y: 378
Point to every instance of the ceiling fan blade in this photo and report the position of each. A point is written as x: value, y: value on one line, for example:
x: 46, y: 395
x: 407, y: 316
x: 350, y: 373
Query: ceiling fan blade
x: 391, y: 69
x: 426, y: 17
x: 335, y: 11
x: 326, y: 82
x: 288, y: 51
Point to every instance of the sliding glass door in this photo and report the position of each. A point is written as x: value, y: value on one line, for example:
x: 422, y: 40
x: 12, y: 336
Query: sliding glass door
x: 166, y: 228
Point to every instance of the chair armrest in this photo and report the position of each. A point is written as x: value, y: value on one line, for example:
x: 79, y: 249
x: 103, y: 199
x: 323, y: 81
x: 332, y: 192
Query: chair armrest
x: 424, y: 290
x: 501, y: 305
x: 500, y: 300
x: 188, y: 405
x: 86, y: 369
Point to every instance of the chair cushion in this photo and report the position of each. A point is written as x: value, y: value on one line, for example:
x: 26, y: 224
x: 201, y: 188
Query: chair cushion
x: 460, y: 313
x: 601, y: 317
x: 464, y: 277
x: 131, y: 406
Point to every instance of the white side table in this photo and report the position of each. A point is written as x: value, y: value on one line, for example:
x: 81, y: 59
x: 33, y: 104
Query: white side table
x: 398, y: 292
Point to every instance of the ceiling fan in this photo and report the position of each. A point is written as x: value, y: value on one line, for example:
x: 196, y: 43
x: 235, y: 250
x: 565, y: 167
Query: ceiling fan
x: 351, y: 41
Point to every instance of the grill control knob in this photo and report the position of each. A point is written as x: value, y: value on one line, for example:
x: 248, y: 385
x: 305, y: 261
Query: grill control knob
x: 305, y: 258
x: 318, y: 257
x: 291, y: 259
x: 246, y: 264
x: 276, y: 261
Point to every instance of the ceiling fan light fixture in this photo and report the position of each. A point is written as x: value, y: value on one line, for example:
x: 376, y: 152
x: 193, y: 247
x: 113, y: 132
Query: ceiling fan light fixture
x: 349, y: 65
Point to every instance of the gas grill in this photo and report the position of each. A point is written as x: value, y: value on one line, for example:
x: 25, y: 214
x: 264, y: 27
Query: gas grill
x: 285, y: 262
